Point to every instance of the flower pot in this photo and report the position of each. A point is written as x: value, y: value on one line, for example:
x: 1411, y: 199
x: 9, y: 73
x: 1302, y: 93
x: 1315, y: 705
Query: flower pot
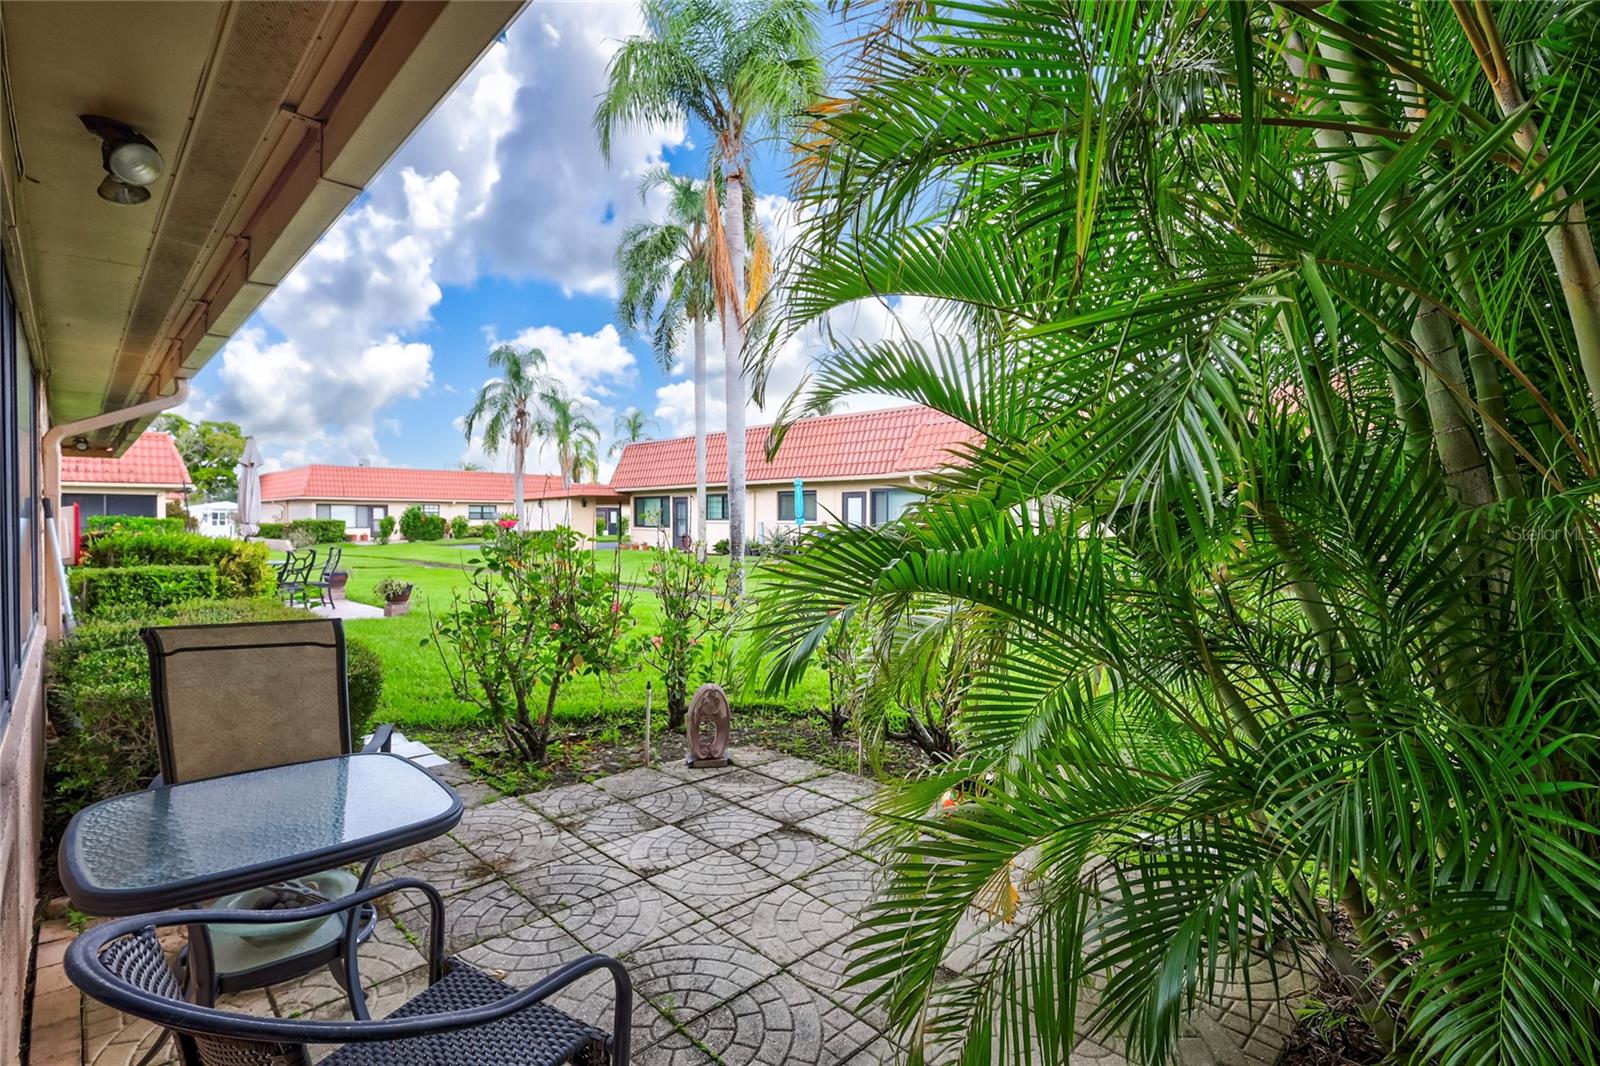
x: 396, y: 607
x: 336, y: 583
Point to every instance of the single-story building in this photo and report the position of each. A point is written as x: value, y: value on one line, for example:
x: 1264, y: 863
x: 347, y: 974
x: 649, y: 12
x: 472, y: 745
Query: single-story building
x: 219, y: 518
x: 137, y: 482
x: 363, y: 495
x: 862, y: 469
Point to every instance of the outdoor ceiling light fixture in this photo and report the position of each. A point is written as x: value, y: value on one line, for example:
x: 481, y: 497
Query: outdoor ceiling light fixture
x: 131, y: 161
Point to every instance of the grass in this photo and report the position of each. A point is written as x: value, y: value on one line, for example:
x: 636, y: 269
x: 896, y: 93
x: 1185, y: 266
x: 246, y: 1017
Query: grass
x: 416, y: 692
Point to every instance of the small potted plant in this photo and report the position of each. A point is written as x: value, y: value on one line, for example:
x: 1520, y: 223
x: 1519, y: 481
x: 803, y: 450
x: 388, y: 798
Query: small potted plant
x: 396, y: 596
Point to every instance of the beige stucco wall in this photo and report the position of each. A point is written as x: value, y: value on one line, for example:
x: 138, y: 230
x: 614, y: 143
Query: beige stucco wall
x: 542, y: 514
x: 761, y: 512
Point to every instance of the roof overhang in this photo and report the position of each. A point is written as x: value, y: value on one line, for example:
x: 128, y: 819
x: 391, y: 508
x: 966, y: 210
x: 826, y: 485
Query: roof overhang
x: 271, y: 119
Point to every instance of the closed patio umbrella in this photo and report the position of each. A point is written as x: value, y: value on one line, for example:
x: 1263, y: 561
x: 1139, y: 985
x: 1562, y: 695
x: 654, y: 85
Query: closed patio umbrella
x: 249, y: 518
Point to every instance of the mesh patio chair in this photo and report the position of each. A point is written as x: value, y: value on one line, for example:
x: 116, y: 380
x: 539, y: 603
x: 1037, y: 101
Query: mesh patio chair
x: 464, y: 1017
x: 247, y: 696
x: 323, y: 582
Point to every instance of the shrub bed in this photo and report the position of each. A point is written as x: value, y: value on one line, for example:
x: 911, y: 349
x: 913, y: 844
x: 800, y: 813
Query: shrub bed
x: 322, y: 530
x: 414, y: 525
x: 241, y: 568
x: 124, y: 523
x: 98, y: 697
x: 118, y: 590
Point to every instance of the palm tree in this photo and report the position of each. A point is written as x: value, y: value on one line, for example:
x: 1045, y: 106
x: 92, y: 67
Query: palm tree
x: 1278, y: 517
x: 505, y: 409
x: 741, y: 69
x: 665, y: 275
x: 563, y: 422
x: 630, y: 427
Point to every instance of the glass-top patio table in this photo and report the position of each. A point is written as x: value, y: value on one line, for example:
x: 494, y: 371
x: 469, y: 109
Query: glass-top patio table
x: 180, y: 844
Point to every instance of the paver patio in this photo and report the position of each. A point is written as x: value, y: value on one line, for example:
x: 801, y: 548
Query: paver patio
x: 730, y: 894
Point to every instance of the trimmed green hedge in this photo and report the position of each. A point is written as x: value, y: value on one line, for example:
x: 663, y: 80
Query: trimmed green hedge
x: 324, y: 530
x: 120, y: 590
x: 414, y: 525
x: 242, y: 568
x: 98, y: 696
x: 125, y: 523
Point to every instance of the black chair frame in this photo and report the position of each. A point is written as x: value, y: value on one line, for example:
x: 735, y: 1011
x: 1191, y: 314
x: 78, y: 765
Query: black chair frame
x: 86, y: 968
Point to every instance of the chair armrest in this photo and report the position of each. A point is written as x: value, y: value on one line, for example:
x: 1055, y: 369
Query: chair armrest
x: 91, y: 978
x: 381, y: 737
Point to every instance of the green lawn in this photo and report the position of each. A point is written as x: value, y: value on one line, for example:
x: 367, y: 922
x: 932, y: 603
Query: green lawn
x: 415, y: 691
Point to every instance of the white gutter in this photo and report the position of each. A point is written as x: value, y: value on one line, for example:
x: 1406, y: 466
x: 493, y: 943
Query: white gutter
x: 50, y: 452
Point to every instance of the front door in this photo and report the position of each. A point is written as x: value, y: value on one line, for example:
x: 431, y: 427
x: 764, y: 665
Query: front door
x: 680, y: 520
x: 855, y: 508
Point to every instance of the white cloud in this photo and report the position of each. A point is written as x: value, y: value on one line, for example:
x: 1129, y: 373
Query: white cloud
x: 505, y: 177
x: 912, y: 318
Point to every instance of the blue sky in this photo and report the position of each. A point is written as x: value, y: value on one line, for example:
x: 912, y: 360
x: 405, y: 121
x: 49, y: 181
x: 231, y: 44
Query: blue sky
x: 496, y: 222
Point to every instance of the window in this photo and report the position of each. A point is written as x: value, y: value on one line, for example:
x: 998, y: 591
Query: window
x: 652, y: 512
x: 19, y: 462
x: 482, y: 512
x: 429, y: 508
x: 786, y: 506
x: 717, y: 507
x: 889, y: 504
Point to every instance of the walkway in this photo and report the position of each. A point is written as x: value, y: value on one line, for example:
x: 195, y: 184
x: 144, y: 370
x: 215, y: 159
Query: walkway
x: 730, y: 894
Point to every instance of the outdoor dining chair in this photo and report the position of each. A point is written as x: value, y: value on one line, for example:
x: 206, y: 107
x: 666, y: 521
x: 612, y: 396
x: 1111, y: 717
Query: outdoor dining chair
x: 295, y: 575
x: 247, y: 696
x: 323, y: 582
x: 464, y: 1017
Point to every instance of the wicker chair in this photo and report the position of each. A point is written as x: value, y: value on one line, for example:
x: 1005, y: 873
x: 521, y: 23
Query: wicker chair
x: 246, y: 696
x: 464, y: 1017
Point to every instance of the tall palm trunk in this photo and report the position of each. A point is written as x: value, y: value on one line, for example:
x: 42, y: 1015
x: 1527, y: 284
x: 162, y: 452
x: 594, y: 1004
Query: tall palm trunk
x: 700, y: 437
x: 519, y: 445
x: 733, y: 350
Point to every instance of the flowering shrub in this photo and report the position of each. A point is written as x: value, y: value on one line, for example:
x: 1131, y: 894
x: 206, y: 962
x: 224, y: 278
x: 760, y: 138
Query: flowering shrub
x: 507, y: 521
x: 538, y: 612
x: 693, y: 617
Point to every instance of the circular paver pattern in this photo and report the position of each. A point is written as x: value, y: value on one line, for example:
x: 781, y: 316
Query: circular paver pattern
x: 613, y: 823
x: 444, y: 864
x: 579, y: 873
x: 508, y: 836
x: 620, y: 922
x: 787, y: 924
x: 849, y: 884
x: 740, y: 784
x: 715, y: 881
x: 687, y: 974
x: 791, y: 804
x: 641, y: 781
x: 526, y: 954
x: 490, y: 910
x: 565, y: 805
x: 388, y: 954
x: 779, y: 1022
x: 846, y: 788
x: 846, y: 826
x: 728, y: 826
x: 789, y: 853
x: 675, y: 804
x: 656, y: 850
x: 790, y: 770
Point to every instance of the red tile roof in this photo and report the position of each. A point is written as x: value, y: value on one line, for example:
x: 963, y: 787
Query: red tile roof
x: 903, y: 440
x: 398, y: 483
x: 153, y: 459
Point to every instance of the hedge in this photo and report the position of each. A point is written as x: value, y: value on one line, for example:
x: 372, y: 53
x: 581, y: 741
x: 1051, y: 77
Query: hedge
x: 414, y: 525
x: 121, y: 590
x: 127, y: 523
x: 98, y: 695
x: 242, y: 568
x: 323, y: 530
